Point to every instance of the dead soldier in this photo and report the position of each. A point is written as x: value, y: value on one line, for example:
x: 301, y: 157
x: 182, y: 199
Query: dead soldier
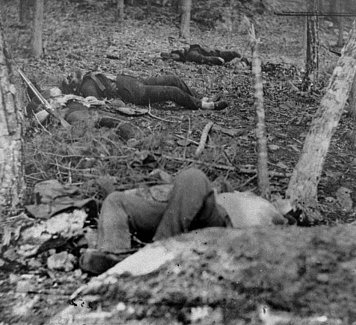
x: 138, y: 91
x: 196, y: 53
x: 131, y: 216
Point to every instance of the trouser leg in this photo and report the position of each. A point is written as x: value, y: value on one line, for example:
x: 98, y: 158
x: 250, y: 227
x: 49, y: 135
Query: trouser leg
x: 195, y: 56
x: 191, y: 206
x: 156, y: 94
x: 201, y: 55
x: 134, y: 91
x: 227, y: 55
x: 169, y: 80
x: 119, y: 215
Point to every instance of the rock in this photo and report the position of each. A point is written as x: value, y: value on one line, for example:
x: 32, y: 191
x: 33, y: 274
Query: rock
x: 24, y: 306
x: 127, y: 131
x: 61, y: 261
x: 34, y: 263
x: 231, y: 271
x: 273, y: 147
x: 38, y: 237
x: 26, y: 283
x: 343, y: 196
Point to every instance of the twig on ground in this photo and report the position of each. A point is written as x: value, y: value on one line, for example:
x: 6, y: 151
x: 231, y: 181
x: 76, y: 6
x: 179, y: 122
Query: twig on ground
x: 41, y: 125
x: 82, y: 156
x: 186, y: 138
x: 247, y: 182
x: 192, y: 141
x: 78, y: 170
x: 157, y: 117
x: 193, y: 161
x: 203, y: 138
x: 299, y: 92
x: 227, y: 157
x: 34, y: 178
x: 224, y: 167
x: 102, y: 146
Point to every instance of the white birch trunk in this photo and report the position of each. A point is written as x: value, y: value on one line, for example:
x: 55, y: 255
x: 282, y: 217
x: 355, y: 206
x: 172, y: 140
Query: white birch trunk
x: 11, y: 153
x: 303, y: 185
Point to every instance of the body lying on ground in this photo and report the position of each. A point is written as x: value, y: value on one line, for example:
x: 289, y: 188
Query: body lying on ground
x: 75, y: 109
x: 127, y: 217
x: 137, y: 91
x: 196, y: 53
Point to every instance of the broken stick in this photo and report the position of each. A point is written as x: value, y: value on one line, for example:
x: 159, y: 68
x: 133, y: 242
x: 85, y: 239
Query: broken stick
x: 203, y: 139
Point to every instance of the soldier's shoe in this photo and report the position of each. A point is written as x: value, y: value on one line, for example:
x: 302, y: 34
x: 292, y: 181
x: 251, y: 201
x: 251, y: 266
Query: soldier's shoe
x: 218, y: 106
x: 97, y: 262
x: 172, y: 56
x: 214, y: 98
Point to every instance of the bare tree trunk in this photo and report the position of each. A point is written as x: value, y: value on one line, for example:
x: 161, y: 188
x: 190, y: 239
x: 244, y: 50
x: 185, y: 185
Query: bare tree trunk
x: 311, y: 65
x: 353, y: 132
x: 262, y: 165
x: 24, y: 11
x: 340, y: 39
x: 120, y: 11
x: 178, y: 6
x: 37, y: 45
x: 302, y: 189
x: 185, y: 19
x: 352, y: 110
x: 11, y: 153
x: 333, y: 9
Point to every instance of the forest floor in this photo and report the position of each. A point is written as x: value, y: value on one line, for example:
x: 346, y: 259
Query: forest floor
x: 83, y: 37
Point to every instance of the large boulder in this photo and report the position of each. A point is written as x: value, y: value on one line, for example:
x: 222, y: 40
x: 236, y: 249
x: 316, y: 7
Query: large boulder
x: 224, y: 276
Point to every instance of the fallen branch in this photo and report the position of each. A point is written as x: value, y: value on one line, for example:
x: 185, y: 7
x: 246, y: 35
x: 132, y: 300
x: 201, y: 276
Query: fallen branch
x: 203, y: 139
x: 224, y: 167
x: 191, y: 141
x: 247, y: 182
x: 199, y: 162
x: 299, y: 92
x: 157, y: 117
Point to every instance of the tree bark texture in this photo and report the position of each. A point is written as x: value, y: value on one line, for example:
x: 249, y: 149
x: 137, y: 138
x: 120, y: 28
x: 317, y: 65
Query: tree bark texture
x: 262, y: 166
x: 185, y: 19
x: 340, y: 39
x: 149, y: 6
x: 352, y: 111
x: 37, y: 45
x: 120, y: 11
x: 11, y: 153
x: 333, y: 7
x: 312, y: 63
x: 304, y: 181
x: 24, y: 11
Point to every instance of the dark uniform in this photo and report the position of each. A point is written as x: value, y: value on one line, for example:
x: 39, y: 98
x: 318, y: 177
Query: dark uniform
x: 196, y: 53
x: 135, y: 90
x: 191, y: 205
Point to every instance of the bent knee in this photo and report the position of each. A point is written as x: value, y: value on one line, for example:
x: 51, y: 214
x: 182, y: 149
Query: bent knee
x: 114, y: 199
x: 192, y: 176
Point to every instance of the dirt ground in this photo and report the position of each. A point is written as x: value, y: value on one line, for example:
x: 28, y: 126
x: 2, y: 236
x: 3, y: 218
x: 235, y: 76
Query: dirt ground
x: 84, y: 37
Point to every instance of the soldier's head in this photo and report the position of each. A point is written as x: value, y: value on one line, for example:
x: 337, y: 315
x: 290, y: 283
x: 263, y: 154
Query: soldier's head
x: 71, y: 84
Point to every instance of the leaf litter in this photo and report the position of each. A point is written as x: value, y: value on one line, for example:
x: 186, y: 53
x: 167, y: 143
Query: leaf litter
x: 87, y: 38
